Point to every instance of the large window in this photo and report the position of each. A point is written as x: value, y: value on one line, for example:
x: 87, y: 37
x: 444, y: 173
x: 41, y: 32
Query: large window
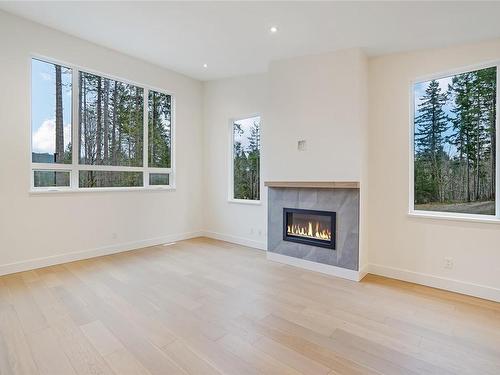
x: 245, y: 161
x: 455, y: 144
x: 122, y: 131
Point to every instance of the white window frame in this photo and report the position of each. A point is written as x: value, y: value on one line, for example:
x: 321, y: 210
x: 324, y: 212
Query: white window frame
x: 75, y: 166
x: 231, y: 198
x: 454, y: 216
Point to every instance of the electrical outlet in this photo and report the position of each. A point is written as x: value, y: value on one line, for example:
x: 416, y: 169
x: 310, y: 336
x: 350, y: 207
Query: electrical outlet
x: 114, y: 236
x: 448, y: 263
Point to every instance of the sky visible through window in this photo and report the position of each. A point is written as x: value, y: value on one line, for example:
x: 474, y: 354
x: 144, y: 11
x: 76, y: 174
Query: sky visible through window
x: 246, y: 127
x: 43, y: 111
x: 419, y: 91
x: 246, y: 158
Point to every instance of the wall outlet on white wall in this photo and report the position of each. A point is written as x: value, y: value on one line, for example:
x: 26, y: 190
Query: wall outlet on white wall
x: 114, y: 235
x: 448, y: 263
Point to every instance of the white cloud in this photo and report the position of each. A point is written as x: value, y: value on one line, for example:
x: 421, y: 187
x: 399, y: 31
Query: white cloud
x: 44, y: 138
x: 46, y: 76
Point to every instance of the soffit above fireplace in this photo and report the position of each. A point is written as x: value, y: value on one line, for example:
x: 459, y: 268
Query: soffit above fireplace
x: 313, y: 184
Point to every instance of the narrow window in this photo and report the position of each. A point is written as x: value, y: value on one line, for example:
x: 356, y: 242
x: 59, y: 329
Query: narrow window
x: 51, y: 92
x: 160, y: 130
x: 159, y: 138
x: 455, y: 143
x: 246, y: 159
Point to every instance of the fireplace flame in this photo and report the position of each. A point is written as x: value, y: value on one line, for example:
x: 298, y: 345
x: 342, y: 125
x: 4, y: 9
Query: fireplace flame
x: 308, y: 232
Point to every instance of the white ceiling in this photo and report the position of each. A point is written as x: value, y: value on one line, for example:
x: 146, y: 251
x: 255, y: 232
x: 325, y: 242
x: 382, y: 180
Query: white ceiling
x: 233, y: 38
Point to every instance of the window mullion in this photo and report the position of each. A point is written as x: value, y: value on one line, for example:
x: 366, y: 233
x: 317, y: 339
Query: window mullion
x: 145, y: 141
x: 497, y: 151
x: 75, y: 128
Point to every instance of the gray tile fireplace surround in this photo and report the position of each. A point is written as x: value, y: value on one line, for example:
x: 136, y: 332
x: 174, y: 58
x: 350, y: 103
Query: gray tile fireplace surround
x: 343, y: 201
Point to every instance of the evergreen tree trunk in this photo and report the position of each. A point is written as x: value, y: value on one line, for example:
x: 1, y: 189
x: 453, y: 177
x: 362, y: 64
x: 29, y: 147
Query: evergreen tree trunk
x: 152, y: 137
x: 85, y: 123
x: 114, y: 147
x: 99, y: 123
x: 80, y: 128
x: 139, y: 154
x: 59, y: 152
x: 106, y: 121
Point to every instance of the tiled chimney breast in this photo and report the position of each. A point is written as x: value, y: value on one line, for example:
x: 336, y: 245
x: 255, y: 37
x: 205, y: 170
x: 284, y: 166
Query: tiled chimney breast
x: 345, y: 202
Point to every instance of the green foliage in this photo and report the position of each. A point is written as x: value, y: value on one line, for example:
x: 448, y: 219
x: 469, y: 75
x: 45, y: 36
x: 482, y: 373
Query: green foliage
x: 111, y: 118
x: 455, y: 140
x: 246, y: 162
x: 430, y: 125
x: 160, y: 112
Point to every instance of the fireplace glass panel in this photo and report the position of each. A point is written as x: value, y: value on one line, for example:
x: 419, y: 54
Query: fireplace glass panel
x: 316, y: 228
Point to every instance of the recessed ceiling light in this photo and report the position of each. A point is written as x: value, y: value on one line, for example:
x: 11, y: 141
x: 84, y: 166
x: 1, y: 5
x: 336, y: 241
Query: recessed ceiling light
x: 205, y: 65
x: 273, y: 29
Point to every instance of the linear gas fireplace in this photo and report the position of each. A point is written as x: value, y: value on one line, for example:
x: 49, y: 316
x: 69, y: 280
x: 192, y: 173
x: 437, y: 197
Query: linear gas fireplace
x: 310, y: 227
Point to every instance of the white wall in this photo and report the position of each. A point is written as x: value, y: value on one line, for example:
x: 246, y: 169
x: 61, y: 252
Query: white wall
x: 225, y: 100
x: 414, y: 248
x: 39, y: 226
x: 319, y: 99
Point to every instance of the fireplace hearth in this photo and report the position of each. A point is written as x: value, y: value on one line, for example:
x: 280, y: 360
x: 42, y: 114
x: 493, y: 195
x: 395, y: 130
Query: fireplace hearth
x: 309, y: 227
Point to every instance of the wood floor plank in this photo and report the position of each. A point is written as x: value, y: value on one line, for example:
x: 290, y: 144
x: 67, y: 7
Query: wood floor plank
x: 48, y: 353
x: 193, y: 364
x: 248, y: 353
x: 15, y: 354
x: 124, y: 363
x: 102, y: 339
x: 208, y: 307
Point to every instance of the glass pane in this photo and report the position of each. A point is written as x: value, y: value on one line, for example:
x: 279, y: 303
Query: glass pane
x: 50, y: 113
x: 111, y: 122
x: 159, y: 179
x: 51, y: 178
x: 246, y: 158
x: 309, y: 226
x: 93, y: 179
x: 455, y: 143
x: 160, y: 129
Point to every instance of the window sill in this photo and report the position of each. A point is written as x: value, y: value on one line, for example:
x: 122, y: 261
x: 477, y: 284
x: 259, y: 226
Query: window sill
x: 245, y: 201
x: 454, y: 217
x: 99, y: 190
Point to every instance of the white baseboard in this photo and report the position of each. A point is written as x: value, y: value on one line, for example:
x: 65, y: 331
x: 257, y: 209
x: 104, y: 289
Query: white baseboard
x: 237, y: 240
x: 313, y: 266
x: 471, y: 289
x: 363, y: 271
x: 32, y: 264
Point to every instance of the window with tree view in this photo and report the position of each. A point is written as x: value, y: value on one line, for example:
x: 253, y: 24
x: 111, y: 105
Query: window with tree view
x: 455, y: 143
x: 246, y: 158
x: 112, y: 120
x: 51, y: 114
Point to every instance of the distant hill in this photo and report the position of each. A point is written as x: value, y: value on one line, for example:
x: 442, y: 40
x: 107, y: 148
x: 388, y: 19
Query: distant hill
x: 42, y: 158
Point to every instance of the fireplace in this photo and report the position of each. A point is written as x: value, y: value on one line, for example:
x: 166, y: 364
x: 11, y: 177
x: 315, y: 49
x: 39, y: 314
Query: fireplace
x: 310, y: 227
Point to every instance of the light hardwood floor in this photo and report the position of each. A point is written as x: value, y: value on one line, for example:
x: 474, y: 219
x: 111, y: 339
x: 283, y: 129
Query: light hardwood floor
x: 209, y: 307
